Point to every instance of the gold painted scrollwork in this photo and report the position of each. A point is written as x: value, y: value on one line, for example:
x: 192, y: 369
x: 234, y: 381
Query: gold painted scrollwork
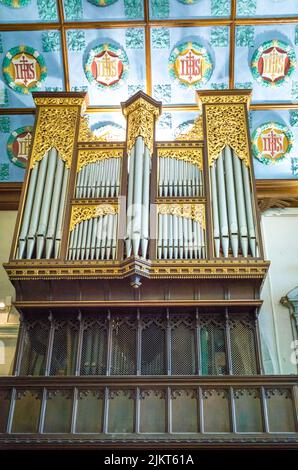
x: 141, y: 117
x: 55, y: 128
x: 191, y: 155
x: 223, y: 98
x: 56, y: 101
x: 90, y: 156
x: 226, y: 125
x: 190, y: 211
x: 81, y: 213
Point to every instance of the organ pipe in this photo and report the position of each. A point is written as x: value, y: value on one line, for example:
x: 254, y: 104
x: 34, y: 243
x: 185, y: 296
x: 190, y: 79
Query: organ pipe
x: 131, y: 162
x: 45, y: 207
x: 241, y: 211
x: 27, y: 211
x: 179, y: 238
x: 179, y: 178
x: 99, y: 179
x: 231, y: 200
x: 41, y: 226
x: 36, y: 206
x: 138, y: 198
x: 94, y: 238
x: 222, y: 203
x: 232, y: 206
x: 54, y: 208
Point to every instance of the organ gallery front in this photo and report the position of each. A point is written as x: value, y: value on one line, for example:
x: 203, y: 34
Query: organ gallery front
x: 138, y: 267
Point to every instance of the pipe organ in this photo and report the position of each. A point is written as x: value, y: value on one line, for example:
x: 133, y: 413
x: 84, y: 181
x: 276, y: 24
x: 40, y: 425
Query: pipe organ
x: 134, y: 263
x: 184, y: 200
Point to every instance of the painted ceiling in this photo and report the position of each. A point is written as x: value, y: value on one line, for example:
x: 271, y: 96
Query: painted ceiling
x: 167, y: 48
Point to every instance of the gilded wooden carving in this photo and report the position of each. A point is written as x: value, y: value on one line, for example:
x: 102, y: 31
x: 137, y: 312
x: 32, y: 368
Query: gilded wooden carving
x: 90, y: 156
x: 157, y: 269
x: 190, y: 211
x: 223, y: 98
x: 85, y: 212
x: 191, y: 155
x: 55, y: 128
x: 226, y: 125
x: 141, y: 117
x: 55, y: 101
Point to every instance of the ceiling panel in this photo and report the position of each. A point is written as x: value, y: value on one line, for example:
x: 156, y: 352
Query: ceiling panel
x: 168, y: 44
x: 103, y: 10
x: 15, y: 135
x: 43, y: 62
x: 28, y: 11
x: 255, y: 52
x: 189, y: 9
x: 274, y: 135
x: 266, y: 8
x: 167, y: 48
x: 86, y: 60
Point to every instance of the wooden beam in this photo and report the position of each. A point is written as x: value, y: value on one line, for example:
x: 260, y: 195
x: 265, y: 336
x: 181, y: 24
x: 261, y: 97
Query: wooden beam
x: 232, y: 46
x: 10, y: 194
x: 64, y: 47
x: 148, y: 50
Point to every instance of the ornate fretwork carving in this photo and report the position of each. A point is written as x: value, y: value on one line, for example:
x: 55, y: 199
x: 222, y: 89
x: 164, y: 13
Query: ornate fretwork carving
x: 223, y: 98
x: 226, y: 125
x: 191, y: 155
x: 55, y: 128
x: 56, y: 101
x: 90, y: 156
x: 190, y: 211
x: 141, y: 116
x: 195, y: 133
x: 80, y: 213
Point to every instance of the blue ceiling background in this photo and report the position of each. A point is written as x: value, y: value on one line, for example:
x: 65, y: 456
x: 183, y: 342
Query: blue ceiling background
x: 155, y: 32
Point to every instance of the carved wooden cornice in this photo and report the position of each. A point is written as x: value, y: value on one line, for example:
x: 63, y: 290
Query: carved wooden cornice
x: 277, y: 193
x: 155, y: 269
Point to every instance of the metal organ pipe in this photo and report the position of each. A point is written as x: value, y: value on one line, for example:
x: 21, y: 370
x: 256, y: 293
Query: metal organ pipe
x: 94, y: 238
x: 179, y: 237
x: 231, y: 200
x: 249, y: 211
x: 137, y: 231
x: 232, y: 206
x: 131, y: 162
x: 241, y: 211
x: 54, y: 208
x: 222, y: 203
x: 215, y: 212
x: 145, y: 203
x: 36, y: 207
x: 27, y: 211
x: 58, y: 234
x: 179, y: 178
x: 99, y: 179
x: 44, y: 202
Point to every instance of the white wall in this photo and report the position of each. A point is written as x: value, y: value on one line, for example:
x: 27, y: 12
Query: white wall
x: 280, y: 238
x: 7, y: 224
x: 8, y: 325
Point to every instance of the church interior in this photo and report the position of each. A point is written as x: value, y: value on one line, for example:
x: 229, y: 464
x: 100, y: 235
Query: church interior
x: 148, y: 223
